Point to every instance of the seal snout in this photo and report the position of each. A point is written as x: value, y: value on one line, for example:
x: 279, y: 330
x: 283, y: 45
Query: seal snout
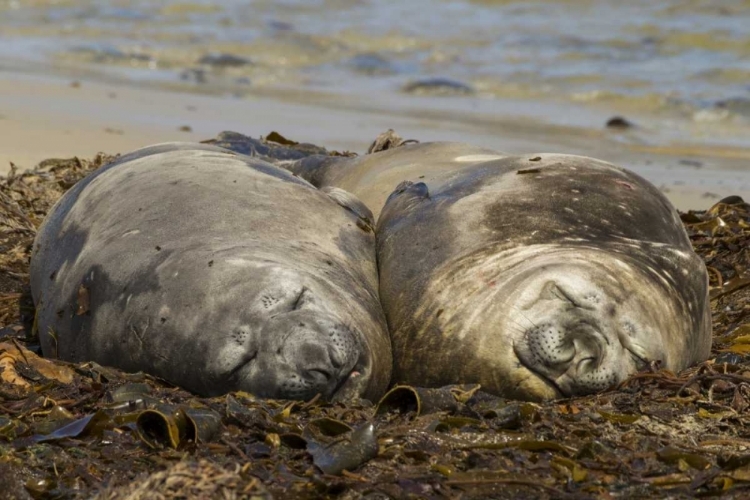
x: 321, y: 354
x: 574, y: 358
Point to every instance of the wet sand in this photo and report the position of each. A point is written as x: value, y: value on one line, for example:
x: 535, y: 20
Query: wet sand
x: 46, y: 117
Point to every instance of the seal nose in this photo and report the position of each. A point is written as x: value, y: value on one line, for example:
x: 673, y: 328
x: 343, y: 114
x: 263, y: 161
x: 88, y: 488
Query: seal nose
x: 321, y: 355
x: 314, y: 363
x: 574, y: 358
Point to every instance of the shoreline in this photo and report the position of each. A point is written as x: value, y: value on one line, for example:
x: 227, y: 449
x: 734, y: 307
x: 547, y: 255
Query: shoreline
x: 45, y: 116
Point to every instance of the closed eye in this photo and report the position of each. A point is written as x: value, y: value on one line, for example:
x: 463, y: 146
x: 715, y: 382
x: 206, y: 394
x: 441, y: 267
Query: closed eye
x: 247, y: 359
x: 559, y: 292
x: 299, y: 301
x: 627, y: 343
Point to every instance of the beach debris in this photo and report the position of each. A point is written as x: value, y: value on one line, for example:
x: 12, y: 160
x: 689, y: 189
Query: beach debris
x: 336, y: 447
x: 420, y: 401
x: 388, y: 140
x: 22, y: 368
x: 171, y: 426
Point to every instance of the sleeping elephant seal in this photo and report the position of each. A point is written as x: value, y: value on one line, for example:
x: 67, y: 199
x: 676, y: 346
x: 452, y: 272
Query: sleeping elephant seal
x: 539, y: 276
x: 216, y: 272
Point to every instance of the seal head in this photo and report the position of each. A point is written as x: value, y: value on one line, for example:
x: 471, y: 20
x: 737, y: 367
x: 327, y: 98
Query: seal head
x: 291, y: 345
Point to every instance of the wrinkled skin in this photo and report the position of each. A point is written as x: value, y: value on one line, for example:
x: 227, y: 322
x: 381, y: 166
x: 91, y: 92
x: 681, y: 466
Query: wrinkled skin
x: 538, y: 276
x: 216, y: 272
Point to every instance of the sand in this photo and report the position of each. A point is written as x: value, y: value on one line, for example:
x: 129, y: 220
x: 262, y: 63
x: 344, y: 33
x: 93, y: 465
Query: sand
x: 49, y: 117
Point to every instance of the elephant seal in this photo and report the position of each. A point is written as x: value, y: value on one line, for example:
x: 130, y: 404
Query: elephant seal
x: 538, y: 277
x: 216, y: 272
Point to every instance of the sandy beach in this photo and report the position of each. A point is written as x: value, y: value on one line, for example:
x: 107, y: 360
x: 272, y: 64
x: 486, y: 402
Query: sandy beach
x: 43, y: 116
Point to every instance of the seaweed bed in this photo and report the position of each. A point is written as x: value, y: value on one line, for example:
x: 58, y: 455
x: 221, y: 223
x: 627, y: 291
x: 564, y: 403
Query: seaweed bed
x: 70, y: 431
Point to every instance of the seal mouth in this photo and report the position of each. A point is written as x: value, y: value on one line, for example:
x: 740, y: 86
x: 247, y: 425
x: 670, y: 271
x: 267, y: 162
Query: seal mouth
x: 348, y: 387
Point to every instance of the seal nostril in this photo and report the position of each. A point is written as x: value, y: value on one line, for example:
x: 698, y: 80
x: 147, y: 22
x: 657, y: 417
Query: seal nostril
x: 588, y: 364
x: 335, y: 356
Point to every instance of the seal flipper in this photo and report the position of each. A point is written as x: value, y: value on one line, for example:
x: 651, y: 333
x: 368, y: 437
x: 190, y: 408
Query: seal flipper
x: 352, y: 204
x: 408, y: 195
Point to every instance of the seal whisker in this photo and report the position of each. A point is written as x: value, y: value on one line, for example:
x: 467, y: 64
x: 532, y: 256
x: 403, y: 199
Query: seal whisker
x: 518, y: 309
x: 521, y: 328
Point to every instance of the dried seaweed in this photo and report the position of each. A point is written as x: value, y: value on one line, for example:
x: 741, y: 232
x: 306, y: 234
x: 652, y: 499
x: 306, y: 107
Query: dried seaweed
x: 72, y: 431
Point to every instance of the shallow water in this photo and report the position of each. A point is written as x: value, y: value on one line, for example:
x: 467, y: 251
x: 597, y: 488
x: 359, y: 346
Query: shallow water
x: 680, y: 70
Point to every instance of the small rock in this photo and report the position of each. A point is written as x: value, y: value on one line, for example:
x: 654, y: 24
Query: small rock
x: 371, y: 64
x: 194, y: 74
x: 691, y: 163
x: 619, y: 122
x: 224, y: 60
x: 438, y: 86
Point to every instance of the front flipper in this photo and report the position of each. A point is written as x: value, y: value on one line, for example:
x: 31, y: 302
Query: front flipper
x: 407, y: 195
x: 405, y: 198
x: 352, y: 204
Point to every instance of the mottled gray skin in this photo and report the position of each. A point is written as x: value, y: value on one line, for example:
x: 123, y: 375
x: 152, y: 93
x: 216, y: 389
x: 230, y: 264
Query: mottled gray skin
x: 216, y: 272
x: 539, y: 276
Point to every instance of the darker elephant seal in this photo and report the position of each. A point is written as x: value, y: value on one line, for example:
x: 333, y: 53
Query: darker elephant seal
x: 539, y: 276
x: 216, y: 272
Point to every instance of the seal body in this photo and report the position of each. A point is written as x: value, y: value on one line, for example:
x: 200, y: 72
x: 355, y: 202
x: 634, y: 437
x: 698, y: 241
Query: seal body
x: 216, y: 272
x: 538, y: 277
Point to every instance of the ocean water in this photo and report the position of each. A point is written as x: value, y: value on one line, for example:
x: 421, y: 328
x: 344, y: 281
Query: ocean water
x: 677, y: 69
